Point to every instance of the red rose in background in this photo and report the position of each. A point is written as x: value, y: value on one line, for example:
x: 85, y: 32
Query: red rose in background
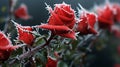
x: 22, y: 12
x: 116, y: 7
x: 24, y: 34
x: 105, y: 16
x: 6, y: 47
x: 86, y: 23
x: 51, y: 62
x: 61, y: 21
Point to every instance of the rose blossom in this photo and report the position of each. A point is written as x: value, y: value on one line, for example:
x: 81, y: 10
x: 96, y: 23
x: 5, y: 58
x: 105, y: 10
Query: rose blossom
x: 105, y: 16
x: 61, y: 21
x: 86, y: 23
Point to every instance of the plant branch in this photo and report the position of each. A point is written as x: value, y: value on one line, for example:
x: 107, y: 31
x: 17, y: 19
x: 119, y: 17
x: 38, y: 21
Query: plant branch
x: 10, y: 15
x: 33, y: 51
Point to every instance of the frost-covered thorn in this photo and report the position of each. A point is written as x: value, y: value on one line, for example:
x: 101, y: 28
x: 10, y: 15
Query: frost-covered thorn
x: 89, y: 49
x: 13, y: 22
x: 48, y: 8
x: 83, y: 9
x: 76, y: 34
x: 21, y: 45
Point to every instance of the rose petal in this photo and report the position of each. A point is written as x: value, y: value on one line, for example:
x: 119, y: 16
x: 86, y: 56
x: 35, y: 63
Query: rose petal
x: 92, y: 30
x: 61, y: 29
x: 55, y: 20
x: 70, y: 34
x: 86, y: 24
x: 91, y: 19
x: 51, y: 62
x: 105, y: 17
x: 25, y: 35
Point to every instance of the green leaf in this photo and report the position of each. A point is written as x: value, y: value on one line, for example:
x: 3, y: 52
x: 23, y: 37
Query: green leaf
x: 62, y: 64
x: 39, y: 40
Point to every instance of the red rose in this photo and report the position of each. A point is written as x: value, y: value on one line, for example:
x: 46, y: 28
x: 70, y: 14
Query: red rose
x: 116, y: 7
x: 24, y: 34
x: 6, y: 47
x: 105, y: 17
x: 86, y: 23
x: 61, y: 21
x: 22, y: 12
x: 51, y: 62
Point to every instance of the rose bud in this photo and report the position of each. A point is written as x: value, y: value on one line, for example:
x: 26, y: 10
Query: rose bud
x: 25, y: 35
x: 86, y: 23
x: 6, y: 47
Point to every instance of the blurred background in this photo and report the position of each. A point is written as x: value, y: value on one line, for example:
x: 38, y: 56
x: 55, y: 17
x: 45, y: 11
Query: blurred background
x: 36, y: 8
x: 106, y: 57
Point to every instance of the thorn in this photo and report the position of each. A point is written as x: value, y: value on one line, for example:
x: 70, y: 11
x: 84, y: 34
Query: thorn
x: 13, y: 22
x: 48, y: 8
x: 83, y: 9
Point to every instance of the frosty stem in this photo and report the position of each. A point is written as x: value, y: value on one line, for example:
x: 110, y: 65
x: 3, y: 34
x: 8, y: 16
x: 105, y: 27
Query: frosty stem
x: 34, y: 50
x: 10, y: 11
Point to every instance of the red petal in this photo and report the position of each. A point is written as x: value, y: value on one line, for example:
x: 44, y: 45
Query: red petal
x: 5, y: 47
x: 105, y: 21
x: 66, y: 18
x: 70, y: 34
x: 61, y: 29
x: 25, y: 35
x: 105, y: 17
x: 51, y: 62
x: 4, y: 41
x: 82, y: 27
x: 68, y: 11
x: 91, y: 19
x: 105, y: 24
x: 54, y: 18
x: 63, y: 14
x: 92, y: 30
